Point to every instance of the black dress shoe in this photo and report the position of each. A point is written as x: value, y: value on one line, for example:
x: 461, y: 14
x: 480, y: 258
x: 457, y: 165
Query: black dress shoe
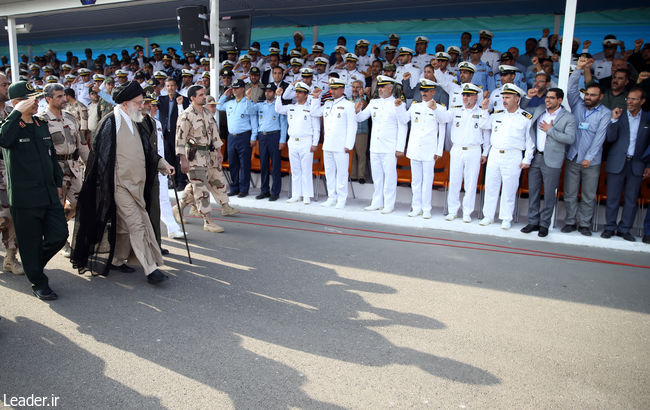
x: 45, y: 294
x: 263, y: 195
x: 164, y: 251
x: 543, y: 232
x: 233, y: 193
x: 156, y: 277
x: 607, y: 234
x: 627, y: 236
x: 585, y: 231
x: 362, y: 180
x: 123, y: 268
x: 646, y: 239
x: 568, y: 228
x: 530, y: 228
x: 274, y: 198
x: 242, y: 195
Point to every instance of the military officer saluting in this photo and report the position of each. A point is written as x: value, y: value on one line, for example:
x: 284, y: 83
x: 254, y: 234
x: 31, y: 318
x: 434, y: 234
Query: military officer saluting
x: 340, y: 132
x: 510, y: 137
x: 425, y: 145
x: 405, y: 57
x: 422, y: 58
x: 466, y: 158
x: 508, y: 73
x: 489, y: 57
x: 69, y: 147
x: 34, y: 187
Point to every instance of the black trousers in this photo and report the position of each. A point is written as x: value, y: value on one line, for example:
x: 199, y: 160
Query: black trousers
x: 270, y: 149
x: 40, y: 233
x: 628, y: 185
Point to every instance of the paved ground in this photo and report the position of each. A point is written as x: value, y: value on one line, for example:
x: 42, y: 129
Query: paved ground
x: 270, y: 317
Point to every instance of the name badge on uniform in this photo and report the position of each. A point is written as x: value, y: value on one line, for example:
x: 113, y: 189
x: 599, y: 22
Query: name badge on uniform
x: 338, y: 116
x: 291, y: 117
x: 305, y: 118
x: 417, y: 119
x: 24, y: 140
x: 583, y: 126
x: 242, y: 115
x: 262, y: 116
x: 457, y: 124
x: 274, y: 118
x: 475, y: 125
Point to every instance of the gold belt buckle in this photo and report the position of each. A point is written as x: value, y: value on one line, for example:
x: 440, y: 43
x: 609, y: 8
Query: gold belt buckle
x: 502, y: 151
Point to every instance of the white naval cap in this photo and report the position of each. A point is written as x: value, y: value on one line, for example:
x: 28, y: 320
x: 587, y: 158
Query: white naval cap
x: 441, y: 55
x: 300, y: 86
x: 485, y: 33
x: 405, y: 51
x: 274, y: 51
x: 159, y: 75
x: 421, y: 39
x: 506, y: 69
x: 227, y: 63
x: 306, y: 72
x: 341, y: 49
x: 83, y: 71
x: 466, y: 65
x: 469, y: 88
x: 426, y: 84
x: 384, y: 79
x: 297, y: 62
x: 351, y: 57
x: 70, y: 77
x: 453, y: 49
x: 204, y: 61
x: 121, y: 73
x: 390, y: 48
x: 187, y: 73
x: 317, y: 47
x: 98, y: 77
x: 245, y: 57
x: 393, y: 36
x: 512, y: 89
x: 321, y: 60
x: 607, y: 43
x: 363, y: 42
x: 52, y: 79
x: 295, y: 53
x: 336, y: 82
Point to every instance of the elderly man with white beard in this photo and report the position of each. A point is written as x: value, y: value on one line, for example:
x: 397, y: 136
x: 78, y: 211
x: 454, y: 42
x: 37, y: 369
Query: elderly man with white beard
x: 112, y: 209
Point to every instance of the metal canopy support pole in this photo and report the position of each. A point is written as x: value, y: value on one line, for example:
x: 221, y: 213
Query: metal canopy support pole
x: 314, y: 34
x: 567, y: 43
x: 214, y: 40
x: 146, y: 47
x: 13, y: 49
x: 557, y: 23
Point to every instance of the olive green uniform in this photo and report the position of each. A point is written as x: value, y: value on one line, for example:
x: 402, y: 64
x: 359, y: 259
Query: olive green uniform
x: 33, y: 176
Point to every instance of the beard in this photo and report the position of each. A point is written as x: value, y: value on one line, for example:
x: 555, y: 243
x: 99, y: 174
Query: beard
x: 134, y: 113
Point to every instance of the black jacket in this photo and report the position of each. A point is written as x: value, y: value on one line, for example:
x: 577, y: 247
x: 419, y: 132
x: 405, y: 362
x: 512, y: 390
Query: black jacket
x: 163, y: 112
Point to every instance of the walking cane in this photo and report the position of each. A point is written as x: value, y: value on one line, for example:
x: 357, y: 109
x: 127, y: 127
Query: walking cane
x: 180, y: 213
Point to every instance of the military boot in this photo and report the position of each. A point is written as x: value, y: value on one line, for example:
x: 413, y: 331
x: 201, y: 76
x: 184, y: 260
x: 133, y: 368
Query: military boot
x: 11, y: 264
x: 211, y: 227
x: 227, y: 210
x: 194, y: 211
x: 177, y: 210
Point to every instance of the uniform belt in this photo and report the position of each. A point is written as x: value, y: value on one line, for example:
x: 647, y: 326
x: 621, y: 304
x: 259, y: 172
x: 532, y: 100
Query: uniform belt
x: 503, y: 151
x: 202, y: 147
x: 539, y: 152
x: 469, y: 147
x: 268, y: 132
x: 65, y: 157
x: 629, y: 157
x: 241, y: 133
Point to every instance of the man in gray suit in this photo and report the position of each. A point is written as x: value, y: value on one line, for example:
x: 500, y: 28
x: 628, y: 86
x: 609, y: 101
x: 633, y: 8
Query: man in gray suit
x: 552, y: 129
x: 582, y: 165
x: 629, y: 134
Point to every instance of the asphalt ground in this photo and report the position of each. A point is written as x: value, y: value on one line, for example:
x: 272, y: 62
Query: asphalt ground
x: 296, y: 311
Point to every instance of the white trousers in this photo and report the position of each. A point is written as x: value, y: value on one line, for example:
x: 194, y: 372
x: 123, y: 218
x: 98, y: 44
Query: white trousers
x: 464, y: 165
x: 336, y: 174
x: 301, y: 160
x: 384, y: 178
x: 502, y: 168
x: 421, y: 184
x: 166, y: 214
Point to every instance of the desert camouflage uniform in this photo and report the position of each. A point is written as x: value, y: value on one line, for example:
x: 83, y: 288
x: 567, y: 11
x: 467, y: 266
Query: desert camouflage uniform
x: 80, y: 114
x: 6, y: 222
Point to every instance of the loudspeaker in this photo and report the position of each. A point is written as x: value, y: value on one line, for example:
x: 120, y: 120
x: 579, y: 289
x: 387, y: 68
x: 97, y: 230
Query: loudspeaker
x: 193, y: 22
x: 235, y: 32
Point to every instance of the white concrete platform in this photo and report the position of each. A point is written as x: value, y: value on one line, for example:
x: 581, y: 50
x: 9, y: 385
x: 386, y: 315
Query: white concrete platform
x: 354, y: 211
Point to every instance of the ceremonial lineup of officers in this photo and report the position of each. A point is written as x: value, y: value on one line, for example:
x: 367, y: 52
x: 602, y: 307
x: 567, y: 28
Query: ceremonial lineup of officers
x: 91, y: 148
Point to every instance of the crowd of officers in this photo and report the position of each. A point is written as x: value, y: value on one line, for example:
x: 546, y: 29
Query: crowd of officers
x: 502, y: 109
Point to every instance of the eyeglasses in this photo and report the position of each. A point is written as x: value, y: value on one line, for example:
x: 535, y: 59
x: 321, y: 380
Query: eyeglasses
x: 632, y: 99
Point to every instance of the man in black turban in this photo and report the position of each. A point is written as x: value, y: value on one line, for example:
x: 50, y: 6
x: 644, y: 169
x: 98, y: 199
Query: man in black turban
x: 117, y: 193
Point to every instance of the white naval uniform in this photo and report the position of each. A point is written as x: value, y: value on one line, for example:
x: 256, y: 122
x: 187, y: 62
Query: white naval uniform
x: 166, y: 214
x: 340, y: 131
x: 423, y: 59
x: 496, y: 100
x: 389, y: 127
x: 322, y: 81
x: 602, y: 68
x: 455, y: 91
x: 303, y: 133
x: 426, y: 139
x: 491, y: 58
x: 510, y: 136
x: 364, y: 62
x: 410, y: 68
x: 82, y: 92
x: 349, y: 77
x: 468, y: 133
x: 290, y: 93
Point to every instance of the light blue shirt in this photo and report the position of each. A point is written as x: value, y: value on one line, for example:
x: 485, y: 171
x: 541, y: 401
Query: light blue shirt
x: 106, y: 97
x: 269, y: 120
x: 592, y: 125
x: 481, y: 76
x: 634, y: 130
x: 239, y: 116
x: 494, y: 81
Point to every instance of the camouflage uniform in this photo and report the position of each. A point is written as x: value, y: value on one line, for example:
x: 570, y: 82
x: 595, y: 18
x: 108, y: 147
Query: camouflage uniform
x: 80, y: 114
x: 69, y: 147
x: 197, y: 137
x: 10, y: 263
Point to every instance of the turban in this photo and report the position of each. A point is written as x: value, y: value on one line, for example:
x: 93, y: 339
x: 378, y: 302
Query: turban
x: 126, y: 92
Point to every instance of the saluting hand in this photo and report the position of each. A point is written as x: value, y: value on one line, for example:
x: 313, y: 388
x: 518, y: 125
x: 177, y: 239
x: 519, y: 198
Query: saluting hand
x: 179, y: 100
x: 249, y: 93
x: 616, y: 113
x: 398, y: 102
x: 29, y: 105
x: 317, y: 91
x: 432, y: 104
x: 485, y: 104
x: 279, y: 92
x: 406, y: 76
